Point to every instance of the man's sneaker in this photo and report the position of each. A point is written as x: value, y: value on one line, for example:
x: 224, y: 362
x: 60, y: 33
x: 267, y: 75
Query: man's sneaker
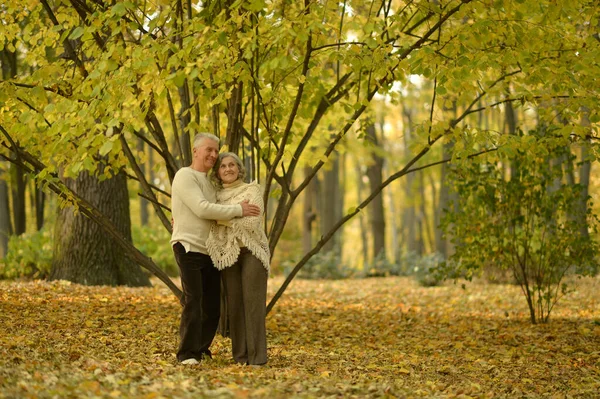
x: 191, y: 360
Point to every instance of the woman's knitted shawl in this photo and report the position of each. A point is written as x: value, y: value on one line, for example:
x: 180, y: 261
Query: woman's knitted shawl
x: 223, y: 243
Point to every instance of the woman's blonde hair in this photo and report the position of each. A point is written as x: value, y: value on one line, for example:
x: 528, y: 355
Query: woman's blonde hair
x: 214, y: 174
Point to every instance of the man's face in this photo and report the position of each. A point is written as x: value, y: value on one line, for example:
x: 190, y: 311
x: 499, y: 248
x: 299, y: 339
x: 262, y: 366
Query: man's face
x: 205, y: 155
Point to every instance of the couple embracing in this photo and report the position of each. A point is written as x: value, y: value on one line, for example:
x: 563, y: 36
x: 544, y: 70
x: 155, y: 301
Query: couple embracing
x: 218, y: 232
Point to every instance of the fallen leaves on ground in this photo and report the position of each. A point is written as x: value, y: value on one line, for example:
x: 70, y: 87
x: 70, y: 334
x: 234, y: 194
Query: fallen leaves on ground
x: 380, y: 337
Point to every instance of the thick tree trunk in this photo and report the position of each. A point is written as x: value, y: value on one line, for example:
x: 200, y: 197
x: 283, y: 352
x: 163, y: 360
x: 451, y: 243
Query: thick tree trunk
x: 376, y: 210
x: 83, y: 253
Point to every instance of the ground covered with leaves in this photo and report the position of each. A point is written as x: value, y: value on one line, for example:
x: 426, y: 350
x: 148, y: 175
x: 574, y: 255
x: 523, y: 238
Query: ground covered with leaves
x: 380, y: 337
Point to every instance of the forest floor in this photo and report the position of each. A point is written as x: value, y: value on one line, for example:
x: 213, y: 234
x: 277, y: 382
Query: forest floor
x: 379, y: 337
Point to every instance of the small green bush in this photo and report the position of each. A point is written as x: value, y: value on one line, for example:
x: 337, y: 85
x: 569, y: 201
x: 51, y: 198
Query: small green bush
x: 422, y: 268
x: 154, y: 242
x: 29, y: 256
x: 383, y: 267
x: 326, y: 265
x: 425, y: 269
x: 533, y: 223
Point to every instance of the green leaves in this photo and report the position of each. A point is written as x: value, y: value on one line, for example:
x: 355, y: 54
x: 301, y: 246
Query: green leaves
x: 76, y: 33
x: 523, y: 223
x: 106, y: 147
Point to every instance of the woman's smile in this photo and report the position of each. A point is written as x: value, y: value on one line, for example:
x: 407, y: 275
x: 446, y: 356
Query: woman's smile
x: 228, y: 170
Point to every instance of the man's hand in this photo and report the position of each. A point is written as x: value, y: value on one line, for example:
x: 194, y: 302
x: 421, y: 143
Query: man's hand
x: 249, y: 209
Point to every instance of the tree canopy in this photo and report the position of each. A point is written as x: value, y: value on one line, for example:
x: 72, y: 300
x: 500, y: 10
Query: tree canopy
x: 283, y: 82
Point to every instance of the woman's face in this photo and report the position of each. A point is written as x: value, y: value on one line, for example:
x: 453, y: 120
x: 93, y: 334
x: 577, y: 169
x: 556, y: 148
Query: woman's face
x: 228, y: 170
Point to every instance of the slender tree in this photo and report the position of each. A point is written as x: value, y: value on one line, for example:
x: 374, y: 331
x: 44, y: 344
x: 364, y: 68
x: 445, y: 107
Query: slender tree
x: 5, y: 222
x: 376, y: 208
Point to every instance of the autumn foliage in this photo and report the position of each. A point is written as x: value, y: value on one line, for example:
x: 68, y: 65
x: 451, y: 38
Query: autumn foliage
x: 379, y: 337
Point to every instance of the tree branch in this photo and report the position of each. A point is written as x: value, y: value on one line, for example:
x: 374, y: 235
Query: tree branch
x: 58, y: 187
x: 145, y: 186
x: 290, y: 121
x: 66, y: 43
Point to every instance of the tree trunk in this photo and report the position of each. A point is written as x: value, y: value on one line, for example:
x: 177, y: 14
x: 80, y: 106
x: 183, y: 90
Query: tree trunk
x: 83, y: 253
x: 331, y: 210
x: 511, y: 122
x: 37, y: 201
x: 409, y: 217
x: 40, y: 203
x: 361, y: 217
x: 585, y: 171
x: 441, y: 244
x: 308, y: 215
x: 184, y: 120
x: 376, y: 210
x: 234, y: 119
x: 144, y: 215
x: 393, y: 218
x: 427, y: 235
x: 5, y: 224
x: 18, y: 199
x: 8, y: 62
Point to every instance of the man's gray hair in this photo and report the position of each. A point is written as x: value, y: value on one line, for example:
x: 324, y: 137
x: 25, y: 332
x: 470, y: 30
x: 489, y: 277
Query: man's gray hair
x: 201, y: 136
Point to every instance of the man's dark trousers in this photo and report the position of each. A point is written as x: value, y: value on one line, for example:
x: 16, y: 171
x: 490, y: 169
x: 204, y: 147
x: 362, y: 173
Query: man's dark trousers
x: 201, y: 285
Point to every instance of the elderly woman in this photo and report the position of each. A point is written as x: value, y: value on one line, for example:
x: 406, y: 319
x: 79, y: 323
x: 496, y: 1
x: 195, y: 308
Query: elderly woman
x: 239, y: 248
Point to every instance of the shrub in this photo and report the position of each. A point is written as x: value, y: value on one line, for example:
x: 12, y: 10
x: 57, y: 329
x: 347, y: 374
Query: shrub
x: 425, y: 270
x: 155, y: 243
x: 29, y: 256
x: 382, y: 267
x: 326, y: 265
x: 528, y: 224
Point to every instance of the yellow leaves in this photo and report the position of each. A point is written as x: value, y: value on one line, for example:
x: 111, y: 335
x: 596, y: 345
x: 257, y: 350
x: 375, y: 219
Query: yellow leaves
x: 585, y: 331
x: 384, y: 337
x: 90, y: 386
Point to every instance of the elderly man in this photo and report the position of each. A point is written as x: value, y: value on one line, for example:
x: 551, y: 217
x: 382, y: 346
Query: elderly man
x: 193, y: 208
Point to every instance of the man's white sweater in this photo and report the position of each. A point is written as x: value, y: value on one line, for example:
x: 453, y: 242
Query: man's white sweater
x: 193, y: 208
